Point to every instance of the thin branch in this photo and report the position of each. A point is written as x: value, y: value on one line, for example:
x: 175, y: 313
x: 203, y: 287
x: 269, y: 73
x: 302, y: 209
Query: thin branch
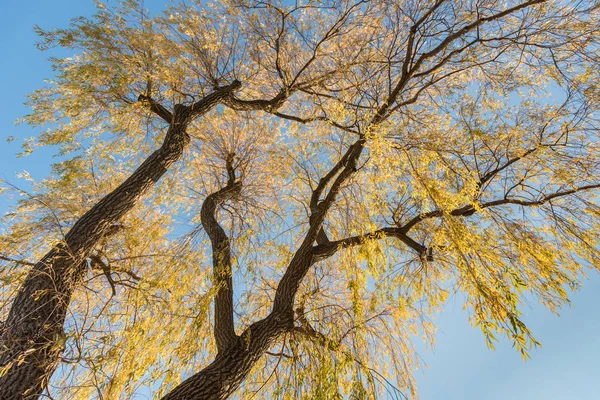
x: 470, y: 209
x: 313, y: 119
x: 96, y: 261
x: 20, y: 262
x: 469, y: 27
x: 541, y: 200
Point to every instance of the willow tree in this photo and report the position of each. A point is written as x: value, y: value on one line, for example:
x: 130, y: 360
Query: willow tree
x: 262, y: 197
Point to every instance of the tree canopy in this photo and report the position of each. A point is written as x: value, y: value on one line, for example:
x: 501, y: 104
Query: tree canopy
x: 272, y: 198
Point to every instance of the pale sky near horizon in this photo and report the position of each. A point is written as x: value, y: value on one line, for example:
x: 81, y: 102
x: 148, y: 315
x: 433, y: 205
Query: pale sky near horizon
x: 567, y: 367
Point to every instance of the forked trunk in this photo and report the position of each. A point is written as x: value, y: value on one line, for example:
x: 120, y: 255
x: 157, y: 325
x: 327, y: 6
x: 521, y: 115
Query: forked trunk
x: 225, y: 374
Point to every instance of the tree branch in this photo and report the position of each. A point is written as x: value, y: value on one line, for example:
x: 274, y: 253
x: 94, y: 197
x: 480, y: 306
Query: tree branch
x: 156, y: 108
x: 407, y: 72
x: 306, y: 328
x: 470, y: 209
x: 96, y: 261
x: 269, y: 106
x: 326, y: 250
x: 541, y: 200
x: 20, y: 262
x: 469, y: 27
x: 224, y: 94
x: 323, y: 251
x: 224, y: 329
x: 313, y: 119
x: 303, y: 258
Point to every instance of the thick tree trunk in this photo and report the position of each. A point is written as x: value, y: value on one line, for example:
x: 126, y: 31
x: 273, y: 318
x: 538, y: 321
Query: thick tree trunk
x: 224, y: 376
x: 32, y: 337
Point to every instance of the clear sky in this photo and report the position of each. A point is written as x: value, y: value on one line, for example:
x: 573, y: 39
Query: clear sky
x: 567, y: 367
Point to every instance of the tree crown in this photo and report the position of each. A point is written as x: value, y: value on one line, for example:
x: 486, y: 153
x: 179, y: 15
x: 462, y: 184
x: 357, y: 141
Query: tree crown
x: 415, y: 149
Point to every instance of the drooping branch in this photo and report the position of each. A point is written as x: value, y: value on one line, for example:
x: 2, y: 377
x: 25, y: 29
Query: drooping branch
x: 483, y: 181
x: 488, y: 176
x: 224, y: 329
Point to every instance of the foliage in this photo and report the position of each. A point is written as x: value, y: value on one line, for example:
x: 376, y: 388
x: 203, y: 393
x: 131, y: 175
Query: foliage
x: 477, y: 174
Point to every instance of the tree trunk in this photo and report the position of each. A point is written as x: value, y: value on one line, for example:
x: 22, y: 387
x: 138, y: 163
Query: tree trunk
x: 33, y: 337
x: 232, y: 365
x: 226, y: 373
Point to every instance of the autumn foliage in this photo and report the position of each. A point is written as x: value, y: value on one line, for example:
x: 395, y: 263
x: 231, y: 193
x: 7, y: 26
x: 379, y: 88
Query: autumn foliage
x: 268, y: 198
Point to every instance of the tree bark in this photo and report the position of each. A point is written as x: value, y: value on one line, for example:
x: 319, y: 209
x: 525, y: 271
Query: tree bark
x: 31, y: 341
x: 222, y: 377
x: 222, y: 275
x: 225, y: 374
x: 32, y: 338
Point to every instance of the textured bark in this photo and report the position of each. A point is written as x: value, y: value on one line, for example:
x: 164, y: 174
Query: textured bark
x: 32, y: 336
x: 222, y: 275
x: 225, y: 374
x: 304, y: 258
x: 222, y: 377
x: 237, y: 354
x: 233, y: 363
x: 235, y: 359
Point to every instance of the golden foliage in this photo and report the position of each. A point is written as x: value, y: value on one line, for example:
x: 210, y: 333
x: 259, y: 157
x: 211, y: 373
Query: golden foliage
x: 488, y: 157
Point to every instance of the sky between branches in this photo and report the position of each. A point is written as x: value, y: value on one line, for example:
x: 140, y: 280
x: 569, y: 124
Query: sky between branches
x: 461, y: 367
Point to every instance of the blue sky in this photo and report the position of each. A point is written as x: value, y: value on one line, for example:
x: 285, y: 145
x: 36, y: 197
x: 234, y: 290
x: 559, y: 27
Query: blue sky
x: 461, y: 367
